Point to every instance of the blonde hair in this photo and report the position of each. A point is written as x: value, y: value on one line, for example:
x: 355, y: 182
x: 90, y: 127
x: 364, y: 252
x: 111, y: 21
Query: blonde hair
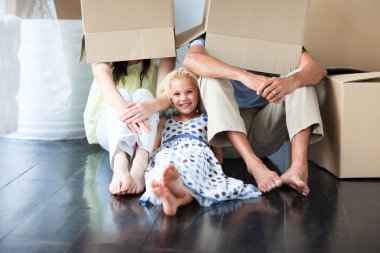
x: 178, y: 73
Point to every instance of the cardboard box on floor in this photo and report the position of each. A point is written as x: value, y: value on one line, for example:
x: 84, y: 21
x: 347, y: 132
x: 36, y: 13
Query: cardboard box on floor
x: 256, y: 35
x: 350, y: 112
x: 118, y: 30
x: 344, y: 34
x: 65, y: 9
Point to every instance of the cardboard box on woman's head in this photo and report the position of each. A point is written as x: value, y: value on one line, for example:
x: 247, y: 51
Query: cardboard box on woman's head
x: 34, y: 9
x: 119, y: 30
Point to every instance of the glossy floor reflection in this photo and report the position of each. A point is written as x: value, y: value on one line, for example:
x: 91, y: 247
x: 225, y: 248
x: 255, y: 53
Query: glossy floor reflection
x: 54, y: 198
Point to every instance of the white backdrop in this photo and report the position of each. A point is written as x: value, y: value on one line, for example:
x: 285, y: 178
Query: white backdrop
x: 50, y: 87
x: 188, y: 13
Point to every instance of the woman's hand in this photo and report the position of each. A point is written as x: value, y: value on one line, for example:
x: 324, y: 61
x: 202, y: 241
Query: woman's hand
x: 135, y: 127
x: 138, y: 112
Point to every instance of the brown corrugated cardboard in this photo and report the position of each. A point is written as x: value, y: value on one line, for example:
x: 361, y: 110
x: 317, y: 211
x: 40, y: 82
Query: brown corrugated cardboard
x: 252, y: 34
x: 32, y: 9
x: 68, y: 9
x: 257, y: 35
x: 350, y: 112
x: 344, y: 34
x: 118, y: 30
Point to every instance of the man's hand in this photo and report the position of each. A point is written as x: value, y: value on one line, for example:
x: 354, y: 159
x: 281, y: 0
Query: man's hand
x: 253, y: 81
x: 274, y: 89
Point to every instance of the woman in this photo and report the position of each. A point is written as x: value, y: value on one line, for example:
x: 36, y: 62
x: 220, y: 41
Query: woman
x: 118, y: 87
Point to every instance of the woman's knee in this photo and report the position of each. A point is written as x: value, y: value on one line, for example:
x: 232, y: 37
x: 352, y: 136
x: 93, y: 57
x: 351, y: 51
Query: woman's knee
x: 125, y: 94
x: 141, y: 95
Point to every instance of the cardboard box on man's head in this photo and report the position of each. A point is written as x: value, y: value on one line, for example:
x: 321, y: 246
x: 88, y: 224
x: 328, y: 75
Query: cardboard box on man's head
x: 120, y: 30
x: 256, y: 35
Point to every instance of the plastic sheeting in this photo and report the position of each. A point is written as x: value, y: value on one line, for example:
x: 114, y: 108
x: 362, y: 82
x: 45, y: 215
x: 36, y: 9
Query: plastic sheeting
x: 9, y: 68
x: 53, y: 87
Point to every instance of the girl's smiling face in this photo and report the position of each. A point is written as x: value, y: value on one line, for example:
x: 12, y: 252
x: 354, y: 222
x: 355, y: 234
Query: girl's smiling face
x: 185, y: 95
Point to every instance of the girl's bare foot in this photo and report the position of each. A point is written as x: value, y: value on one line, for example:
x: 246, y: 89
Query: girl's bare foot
x: 172, y: 181
x: 169, y: 201
x: 296, y: 178
x: 171, y: 192
x: 266, y: 179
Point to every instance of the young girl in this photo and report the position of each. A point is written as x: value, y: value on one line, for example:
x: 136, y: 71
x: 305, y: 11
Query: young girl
x: 116, y: 88
x: 184, y: 167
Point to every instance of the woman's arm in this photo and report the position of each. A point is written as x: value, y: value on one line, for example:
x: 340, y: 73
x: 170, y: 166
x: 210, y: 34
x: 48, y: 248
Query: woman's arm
x: 166, y: 66
x: 103, y: 75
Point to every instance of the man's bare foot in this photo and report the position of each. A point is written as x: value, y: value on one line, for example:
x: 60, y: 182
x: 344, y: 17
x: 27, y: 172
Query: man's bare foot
x: 121, y: 182
x: 296, y: 178
x: 169, y: 201
x: 266, y: 179
x: 171, y: 179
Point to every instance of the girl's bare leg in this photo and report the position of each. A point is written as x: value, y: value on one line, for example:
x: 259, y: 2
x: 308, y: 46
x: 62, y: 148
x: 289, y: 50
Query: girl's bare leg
x: 171, y: 192
x: 139, y: 165
x: 121, y: 181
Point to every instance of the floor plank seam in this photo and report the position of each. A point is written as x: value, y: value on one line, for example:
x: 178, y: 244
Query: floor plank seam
x: 68, y: 180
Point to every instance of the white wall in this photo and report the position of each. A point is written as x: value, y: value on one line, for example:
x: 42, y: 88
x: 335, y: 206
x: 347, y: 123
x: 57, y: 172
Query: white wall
x: 188, y: 13
x: 2, y: 7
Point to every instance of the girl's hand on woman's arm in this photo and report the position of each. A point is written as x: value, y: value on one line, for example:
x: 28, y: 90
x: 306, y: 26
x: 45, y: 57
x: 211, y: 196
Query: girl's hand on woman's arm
x: 103, y: 75
x: 138, y: 112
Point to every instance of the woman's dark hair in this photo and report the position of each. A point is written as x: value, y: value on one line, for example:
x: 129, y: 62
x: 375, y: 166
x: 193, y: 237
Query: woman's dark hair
x: 120, y: 70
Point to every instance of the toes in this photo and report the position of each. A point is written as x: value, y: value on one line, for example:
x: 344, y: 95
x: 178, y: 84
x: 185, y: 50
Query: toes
x: 306, y: 191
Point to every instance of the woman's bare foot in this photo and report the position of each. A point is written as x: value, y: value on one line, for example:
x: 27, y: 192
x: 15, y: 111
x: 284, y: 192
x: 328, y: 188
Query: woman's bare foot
x: 121, y: 181
x: 139, y: 165
x: 266, y: 179
x: 296, y: 178
x: 169, y: 201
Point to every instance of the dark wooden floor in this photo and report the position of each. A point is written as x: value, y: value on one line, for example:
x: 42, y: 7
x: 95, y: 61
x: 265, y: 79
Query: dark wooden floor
x: 54, y: 198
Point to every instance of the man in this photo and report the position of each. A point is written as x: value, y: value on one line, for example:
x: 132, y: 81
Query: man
x: 270, y: 108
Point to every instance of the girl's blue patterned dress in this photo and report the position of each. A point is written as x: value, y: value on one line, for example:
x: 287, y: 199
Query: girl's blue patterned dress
x: 185, y: 145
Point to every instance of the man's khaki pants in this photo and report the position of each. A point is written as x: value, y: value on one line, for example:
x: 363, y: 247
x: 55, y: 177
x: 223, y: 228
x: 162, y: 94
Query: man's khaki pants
x: 266, y: 128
